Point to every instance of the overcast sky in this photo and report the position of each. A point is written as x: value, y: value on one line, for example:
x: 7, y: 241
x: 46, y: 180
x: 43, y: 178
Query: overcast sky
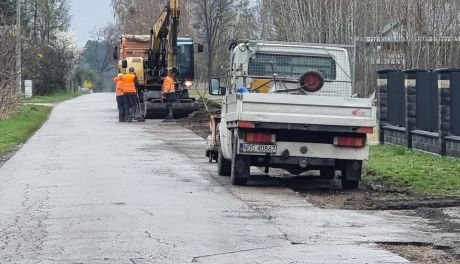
x: 87, y: 15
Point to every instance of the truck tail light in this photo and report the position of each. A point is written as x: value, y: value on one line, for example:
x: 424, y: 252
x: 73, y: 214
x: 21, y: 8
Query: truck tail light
x: 365, y: 130
x: 259, y: 137
x: 246, y: 124
x: 352, y: 142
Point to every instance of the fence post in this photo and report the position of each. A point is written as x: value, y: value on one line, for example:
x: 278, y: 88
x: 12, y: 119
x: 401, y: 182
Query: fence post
x: 382, y: 98
x: 411, y: 103
x: 444, y: 107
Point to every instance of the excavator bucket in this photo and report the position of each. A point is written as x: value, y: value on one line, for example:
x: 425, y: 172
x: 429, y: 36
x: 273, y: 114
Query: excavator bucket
x: 157, y: 110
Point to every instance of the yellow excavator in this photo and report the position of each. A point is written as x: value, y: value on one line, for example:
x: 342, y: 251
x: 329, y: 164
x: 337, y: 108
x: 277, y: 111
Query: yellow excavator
x: 153, y: 54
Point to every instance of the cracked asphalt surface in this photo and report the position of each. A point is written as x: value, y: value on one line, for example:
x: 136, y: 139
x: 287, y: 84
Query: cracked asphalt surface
x: 87, y: 189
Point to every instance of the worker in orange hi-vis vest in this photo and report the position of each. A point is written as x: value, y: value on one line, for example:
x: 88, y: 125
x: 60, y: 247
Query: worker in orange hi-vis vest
x: 130, y: 85
x: 169, y: 93
x: 121, y: 100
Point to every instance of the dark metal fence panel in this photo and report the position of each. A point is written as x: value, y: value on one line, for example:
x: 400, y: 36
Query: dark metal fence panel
x: 455, y: 103
x: 396, y: 101
x: 427, y: 102
x: 402, y: 101
x: 434, y: 102
x: 408, y: 106
x: 422, y: 121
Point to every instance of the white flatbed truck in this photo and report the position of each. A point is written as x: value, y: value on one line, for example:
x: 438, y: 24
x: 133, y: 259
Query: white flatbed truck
x: 305, y: 118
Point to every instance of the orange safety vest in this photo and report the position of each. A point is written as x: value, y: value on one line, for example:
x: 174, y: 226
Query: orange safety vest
x: 168, y: 85
x: 119, y: 82
x: 128, y: 83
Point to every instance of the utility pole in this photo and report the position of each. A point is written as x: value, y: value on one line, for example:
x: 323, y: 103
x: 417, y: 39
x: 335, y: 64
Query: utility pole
x: 18, y: 49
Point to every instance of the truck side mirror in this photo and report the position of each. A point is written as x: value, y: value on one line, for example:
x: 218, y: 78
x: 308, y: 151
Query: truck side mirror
x: 115, y: 53
x: 214, y: 87
x: 124, y: 64
x: 199, y: 48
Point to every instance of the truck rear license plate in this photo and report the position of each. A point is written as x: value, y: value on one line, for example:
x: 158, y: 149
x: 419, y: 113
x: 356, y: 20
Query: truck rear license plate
x: 256, y: 148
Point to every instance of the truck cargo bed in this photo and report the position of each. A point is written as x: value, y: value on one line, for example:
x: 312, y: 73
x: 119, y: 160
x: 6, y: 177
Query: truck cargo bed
x: 299, y: 109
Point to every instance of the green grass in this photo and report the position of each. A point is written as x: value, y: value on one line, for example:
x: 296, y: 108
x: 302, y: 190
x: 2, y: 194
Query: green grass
x: 424, y: 173
x: 18, y: 128
x: 54, y: 98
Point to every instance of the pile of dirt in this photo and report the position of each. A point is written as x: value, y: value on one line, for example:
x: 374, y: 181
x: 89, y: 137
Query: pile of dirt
x: 373, y: 200
x: 448, y: 221
x: 421, y: 253
x: 198, y: 121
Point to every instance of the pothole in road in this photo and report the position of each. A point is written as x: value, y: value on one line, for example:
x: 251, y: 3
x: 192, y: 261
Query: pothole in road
x: 422, y: 253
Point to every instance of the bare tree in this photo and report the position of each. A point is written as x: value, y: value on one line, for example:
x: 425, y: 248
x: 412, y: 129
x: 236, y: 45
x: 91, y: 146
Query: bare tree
x: 101, y: 48
x: 45, y: 61
x: 138, y: 16
x: 389, y: 33
x: 212, y: 19
x: 8, y: 95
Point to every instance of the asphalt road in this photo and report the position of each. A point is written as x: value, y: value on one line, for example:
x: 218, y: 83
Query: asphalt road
x: 87, y: 189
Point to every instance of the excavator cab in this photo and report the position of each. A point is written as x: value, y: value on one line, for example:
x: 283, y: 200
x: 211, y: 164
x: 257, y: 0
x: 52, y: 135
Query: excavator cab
x: 185, y: 58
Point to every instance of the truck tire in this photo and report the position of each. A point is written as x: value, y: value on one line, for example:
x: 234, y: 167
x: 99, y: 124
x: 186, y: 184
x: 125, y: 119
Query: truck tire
x: 351, y: 174
x: 240, y: 167
x: 223, y: 165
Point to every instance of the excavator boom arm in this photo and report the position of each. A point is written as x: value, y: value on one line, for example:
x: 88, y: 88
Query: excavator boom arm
x: 166, y: 26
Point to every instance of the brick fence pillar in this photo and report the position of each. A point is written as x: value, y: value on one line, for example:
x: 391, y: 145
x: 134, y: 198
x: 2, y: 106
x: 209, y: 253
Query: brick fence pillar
x: 444, y: 107
x: 411, y: 103
x: 382, y: 104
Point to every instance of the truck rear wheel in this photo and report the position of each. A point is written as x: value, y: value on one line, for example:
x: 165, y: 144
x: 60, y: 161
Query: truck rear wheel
x: 240, y: 167
x: 351, y: 174
x: 223, y: 165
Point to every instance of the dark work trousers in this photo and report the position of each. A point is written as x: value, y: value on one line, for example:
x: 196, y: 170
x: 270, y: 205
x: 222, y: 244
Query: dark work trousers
x: 170, y: 98
x: 132, y: 106
x: 122, y: 107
